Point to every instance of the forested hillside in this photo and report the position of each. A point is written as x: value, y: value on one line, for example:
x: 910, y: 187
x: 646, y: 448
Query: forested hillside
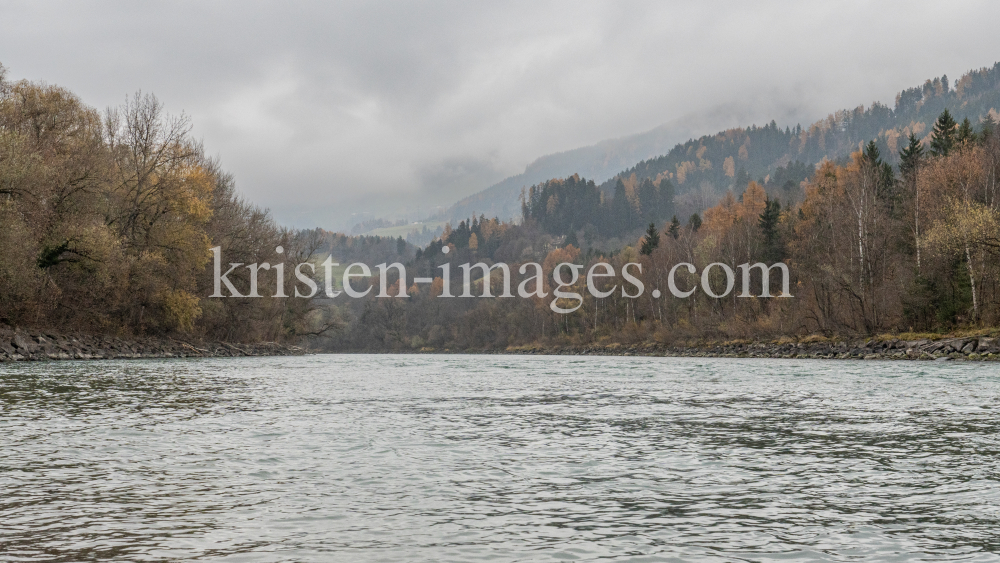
x: 871, y: 249
x: 777, y: 157
x: 896, y: 229
x: 565, y: 207
x: 603, y: 160
x: 106, y: 221
x: 888, y: 219
x: 703, y: 169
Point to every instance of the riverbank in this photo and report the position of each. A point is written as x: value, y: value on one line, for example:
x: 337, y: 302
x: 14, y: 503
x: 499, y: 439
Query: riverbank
x: 27, y: 345
x: 976, y: 348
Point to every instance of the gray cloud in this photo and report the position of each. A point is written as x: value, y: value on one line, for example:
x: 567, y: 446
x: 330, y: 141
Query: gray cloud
x: 326, y: 110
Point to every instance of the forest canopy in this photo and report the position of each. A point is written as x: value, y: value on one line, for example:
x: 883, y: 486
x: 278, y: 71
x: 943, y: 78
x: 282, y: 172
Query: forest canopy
x: 888, y: 219
x: 106, y: 220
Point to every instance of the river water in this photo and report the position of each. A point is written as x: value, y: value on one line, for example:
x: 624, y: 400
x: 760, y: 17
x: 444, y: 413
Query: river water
x: 500, y: 458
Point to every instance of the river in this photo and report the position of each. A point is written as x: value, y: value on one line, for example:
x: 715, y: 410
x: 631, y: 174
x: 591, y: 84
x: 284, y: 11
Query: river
x: 505, y: 458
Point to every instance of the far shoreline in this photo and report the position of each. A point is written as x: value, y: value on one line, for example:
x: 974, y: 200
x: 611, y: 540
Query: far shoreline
x: 17, y: 345
x: 970, y: 348
x: 44, y: 345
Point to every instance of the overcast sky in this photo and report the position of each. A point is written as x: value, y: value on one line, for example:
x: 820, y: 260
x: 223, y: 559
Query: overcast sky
x: 324, y: 109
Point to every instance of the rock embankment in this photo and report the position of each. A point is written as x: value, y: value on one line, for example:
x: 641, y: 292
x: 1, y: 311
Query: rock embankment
x: 20, y: 345
x: 967, y: 348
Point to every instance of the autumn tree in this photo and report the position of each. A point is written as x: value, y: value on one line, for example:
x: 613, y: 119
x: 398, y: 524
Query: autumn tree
x: 963, y: 231
x: 160, y: 203
x: 107, y: 223
x: 54, y: 174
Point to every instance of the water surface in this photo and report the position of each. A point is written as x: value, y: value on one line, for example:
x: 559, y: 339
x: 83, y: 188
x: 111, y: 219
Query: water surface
x: 460, y: 458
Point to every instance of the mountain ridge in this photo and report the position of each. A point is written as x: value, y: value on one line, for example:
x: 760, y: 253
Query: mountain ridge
x: 705, y: 166
x: 603, y: 160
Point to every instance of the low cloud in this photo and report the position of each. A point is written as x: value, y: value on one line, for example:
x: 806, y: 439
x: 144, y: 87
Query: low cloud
x: 323, y: 110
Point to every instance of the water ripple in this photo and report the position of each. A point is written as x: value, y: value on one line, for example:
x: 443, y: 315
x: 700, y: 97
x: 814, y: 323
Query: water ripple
x: 458, y: 458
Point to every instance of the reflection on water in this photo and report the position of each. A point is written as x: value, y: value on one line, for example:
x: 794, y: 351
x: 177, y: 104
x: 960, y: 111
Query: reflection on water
x: 458, y: 458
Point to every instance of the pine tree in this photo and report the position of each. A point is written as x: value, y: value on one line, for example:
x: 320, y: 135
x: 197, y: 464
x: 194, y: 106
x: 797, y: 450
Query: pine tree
x: 986, y: 131
x: 741, y: 180
x: 965, y: 133
x: 768, y: 222
x: 910, y: 156
x: 872, y: 154
x: 695, y: 222
x: 648, y: 200
x: 571, y: 240
x: 650, y: 241
x: 675, y: 228
x: 884, y: 177
x: 621, y: 210
x: 943, y: 137
x: 665, y: 193
x: 909, y: 163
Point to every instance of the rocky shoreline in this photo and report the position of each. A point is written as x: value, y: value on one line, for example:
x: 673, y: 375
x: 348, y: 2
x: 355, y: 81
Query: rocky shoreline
x: 28, y: 345
x: 976, y: 348
x: 25, y: 345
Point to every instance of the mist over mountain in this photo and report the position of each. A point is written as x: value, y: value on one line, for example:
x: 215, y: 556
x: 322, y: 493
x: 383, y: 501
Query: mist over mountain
x: 608, y: 158
x: 462, y: 180
x: 600, y: 162
x: 889, y: 214
x: 707, y: 165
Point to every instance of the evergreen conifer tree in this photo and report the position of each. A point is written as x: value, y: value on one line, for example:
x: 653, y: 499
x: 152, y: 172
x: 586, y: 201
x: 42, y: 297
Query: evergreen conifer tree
x: 943, y: 137
x: 695, y: 222
x: 883, y: 172
x: 649, y: 200
x: 665, y: 194
x: 675, y: 228
x: 621, y: 209
x: 965, y: 133
x: 872, y: 154
x: 742, y: 179
x: 909, y: 162
x: 768, y: 222
x: 986, y: 131
x: 650, y: 241
x: 909, y: 157
x: 571, y: 240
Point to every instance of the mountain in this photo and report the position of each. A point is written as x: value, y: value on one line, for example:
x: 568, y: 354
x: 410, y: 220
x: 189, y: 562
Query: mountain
x: 703, y: 168
x: 599, y: 162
